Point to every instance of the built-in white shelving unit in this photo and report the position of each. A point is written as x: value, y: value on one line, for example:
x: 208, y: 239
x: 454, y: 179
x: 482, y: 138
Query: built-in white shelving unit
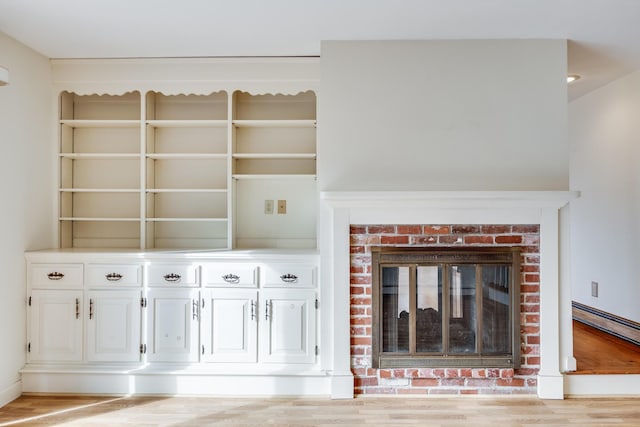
x: 150, y: 170
x: 187, y: 186
x: 274, y: 159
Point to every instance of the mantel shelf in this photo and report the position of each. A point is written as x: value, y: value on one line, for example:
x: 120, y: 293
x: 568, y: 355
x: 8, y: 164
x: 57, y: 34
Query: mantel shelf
x: 449, y: 199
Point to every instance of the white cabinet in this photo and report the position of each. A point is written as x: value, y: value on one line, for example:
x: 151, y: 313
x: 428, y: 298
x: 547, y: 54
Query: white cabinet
x: 229, y: 325
x: 55, y: 326
x: 173, y: 325
x: 158, y: 321
x: 288, y: 332
x: 113, y: 326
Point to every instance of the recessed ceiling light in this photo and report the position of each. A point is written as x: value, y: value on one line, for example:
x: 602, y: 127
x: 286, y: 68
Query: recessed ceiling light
x: 572, y: 78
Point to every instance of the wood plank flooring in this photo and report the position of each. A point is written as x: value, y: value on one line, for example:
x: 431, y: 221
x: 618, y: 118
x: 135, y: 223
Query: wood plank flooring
x: 597, y: 352
x: 205, y: 411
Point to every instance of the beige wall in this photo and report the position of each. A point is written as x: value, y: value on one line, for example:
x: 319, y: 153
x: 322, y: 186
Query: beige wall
x: 26, y: 188
x: 443, y: 115
x: 605, y: 220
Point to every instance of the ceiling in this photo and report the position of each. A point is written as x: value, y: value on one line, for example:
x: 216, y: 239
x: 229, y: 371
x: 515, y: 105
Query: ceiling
x: 604, y: 35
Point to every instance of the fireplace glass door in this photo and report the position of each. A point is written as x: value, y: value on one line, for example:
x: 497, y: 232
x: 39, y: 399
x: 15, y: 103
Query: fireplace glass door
x: 445, y: 310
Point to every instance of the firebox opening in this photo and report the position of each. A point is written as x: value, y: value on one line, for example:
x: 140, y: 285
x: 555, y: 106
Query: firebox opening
x: 445, y: 307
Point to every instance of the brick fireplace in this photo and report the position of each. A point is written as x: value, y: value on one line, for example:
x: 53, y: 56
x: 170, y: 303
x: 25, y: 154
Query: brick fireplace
x: 368, y: 380
x: 351, y: 221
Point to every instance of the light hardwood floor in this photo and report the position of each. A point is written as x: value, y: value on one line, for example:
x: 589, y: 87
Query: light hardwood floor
x: 596, y: 353
x: 600, y: 353
x: 192, y: 411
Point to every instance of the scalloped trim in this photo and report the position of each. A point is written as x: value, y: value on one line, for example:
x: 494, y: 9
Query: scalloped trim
x: 105, y: 93
x: 143, y: 93
x: 273, y: 93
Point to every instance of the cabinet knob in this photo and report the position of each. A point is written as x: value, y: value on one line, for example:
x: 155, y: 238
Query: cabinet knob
x: 113, y: 277
x: 55, y: 275
x: 231, y: 278
x: 172, y: 277
x: 289, y: 278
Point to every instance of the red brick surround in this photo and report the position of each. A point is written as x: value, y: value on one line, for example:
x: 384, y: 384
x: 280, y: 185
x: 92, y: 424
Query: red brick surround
x: 455, y: 380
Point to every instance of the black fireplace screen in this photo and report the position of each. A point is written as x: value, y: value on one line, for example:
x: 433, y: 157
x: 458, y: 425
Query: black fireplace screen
x: 445, y: 308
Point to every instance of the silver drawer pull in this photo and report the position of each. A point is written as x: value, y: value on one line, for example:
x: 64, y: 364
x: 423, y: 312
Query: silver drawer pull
x: 289, y: 278
x: 172, y: 277
x: 113, y: 277
x: 231, y: 278
x: 55, y: 276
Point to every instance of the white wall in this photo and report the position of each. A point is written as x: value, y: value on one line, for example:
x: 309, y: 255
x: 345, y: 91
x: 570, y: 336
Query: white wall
x: 605, y: 167
x: 443, y: 115
x: 25, y: 190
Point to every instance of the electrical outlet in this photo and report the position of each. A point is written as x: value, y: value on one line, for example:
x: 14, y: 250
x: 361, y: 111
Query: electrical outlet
x: 594, y: 289
x: 268, y: 207
x: 282, y: 206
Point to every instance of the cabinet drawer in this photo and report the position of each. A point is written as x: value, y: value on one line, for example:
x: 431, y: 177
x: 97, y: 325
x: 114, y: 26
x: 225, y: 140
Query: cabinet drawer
x: 179, y: 275
x: 231, y: 275
x: 289, y: 275
x: 114, y: 275
x: 56, y: 276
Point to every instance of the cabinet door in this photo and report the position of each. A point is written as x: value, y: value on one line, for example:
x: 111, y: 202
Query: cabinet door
x: 288, y: 331
x: 172, y: 332
x: 113, y: 326
x: 55, y: 326
x: 229, y: 325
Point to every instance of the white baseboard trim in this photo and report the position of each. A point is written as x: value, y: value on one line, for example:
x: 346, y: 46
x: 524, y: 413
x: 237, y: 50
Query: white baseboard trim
x: 10, y: 393
x: 602, y: 385
x: 176, y: 384
x: 550, y: 387
x: 342, y: 386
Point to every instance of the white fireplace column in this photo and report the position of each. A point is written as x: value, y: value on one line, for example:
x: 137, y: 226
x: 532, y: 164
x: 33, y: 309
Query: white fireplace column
x: 340, y: 209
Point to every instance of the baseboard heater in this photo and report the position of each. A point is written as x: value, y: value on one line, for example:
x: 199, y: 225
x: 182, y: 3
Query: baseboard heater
x: 610, y: 323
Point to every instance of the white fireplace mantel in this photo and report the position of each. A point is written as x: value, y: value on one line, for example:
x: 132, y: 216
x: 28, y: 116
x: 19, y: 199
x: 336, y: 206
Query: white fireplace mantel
x: 340, y: 209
